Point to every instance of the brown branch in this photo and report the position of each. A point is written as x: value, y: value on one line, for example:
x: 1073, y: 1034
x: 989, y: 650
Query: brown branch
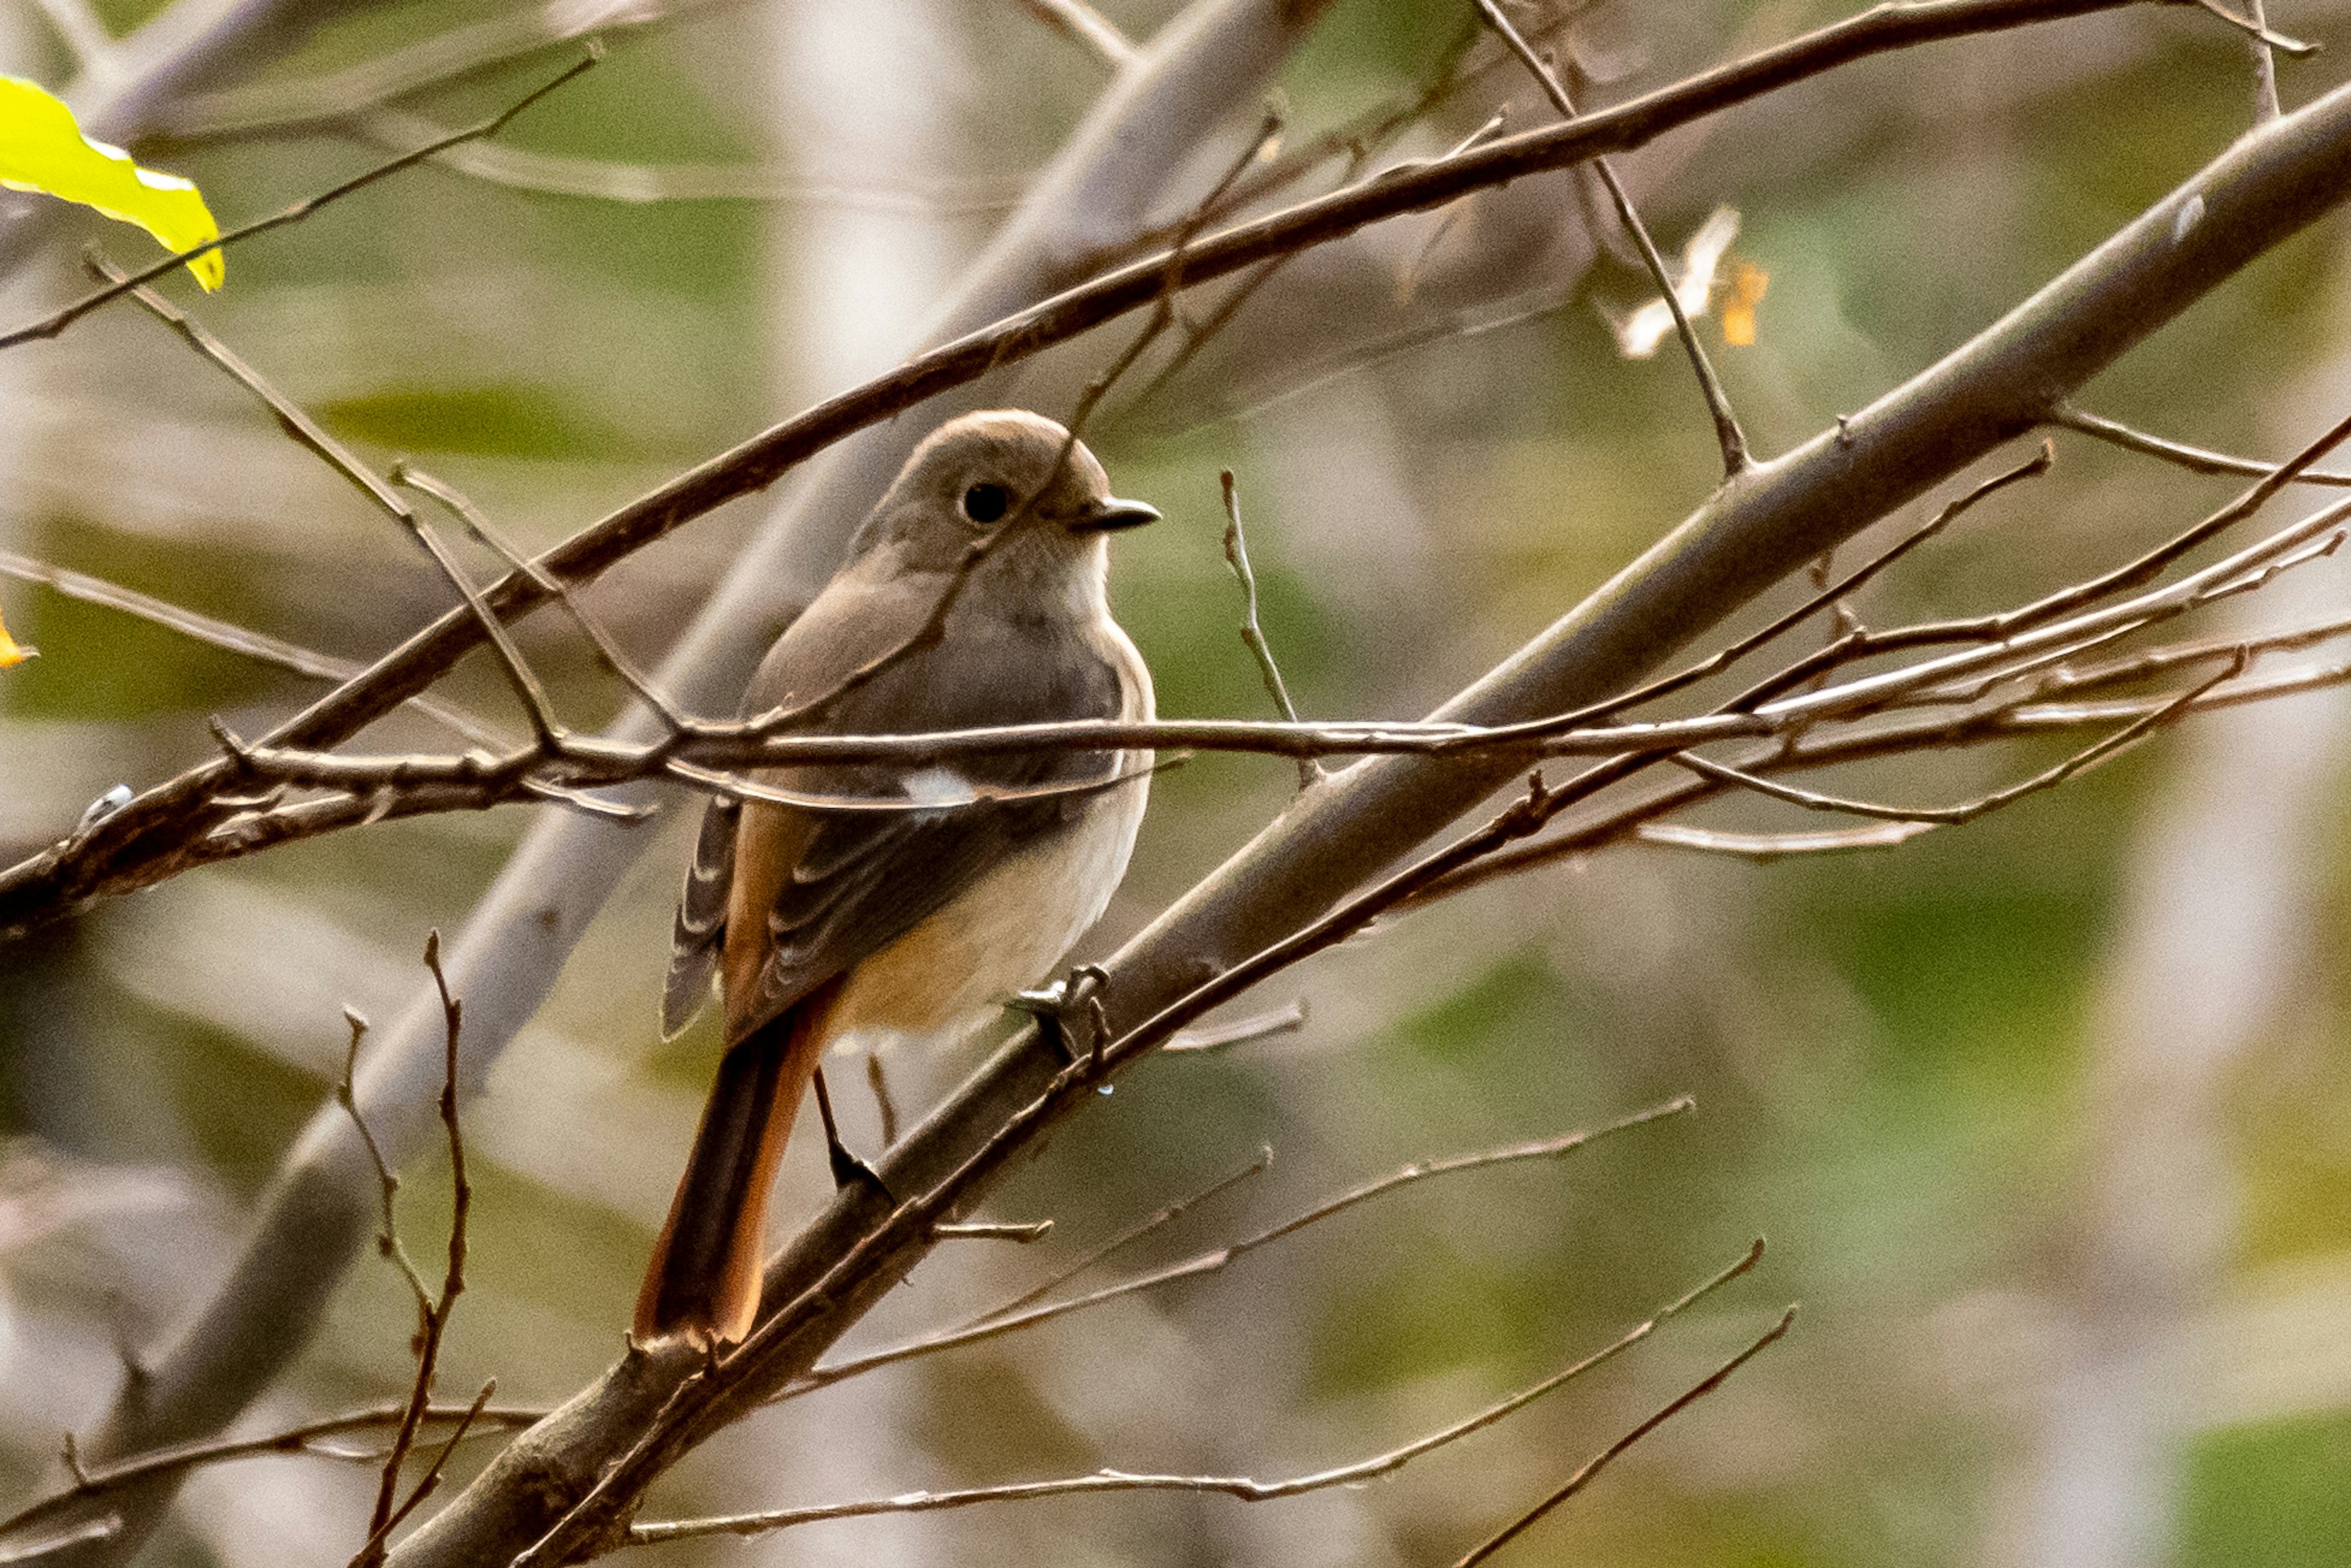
x: 97, y: 1480
x: 1726, y: 434
x: 1242, y: 1486
x: 1020, y: 1312
x: 1583, y: 1477
x: 433, y: 1312
x: 1253, y: 634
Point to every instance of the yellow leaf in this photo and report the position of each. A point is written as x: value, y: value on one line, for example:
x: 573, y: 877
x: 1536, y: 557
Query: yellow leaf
x: 1747, y: 287
x: 41, y: 149
x: 11, y: 651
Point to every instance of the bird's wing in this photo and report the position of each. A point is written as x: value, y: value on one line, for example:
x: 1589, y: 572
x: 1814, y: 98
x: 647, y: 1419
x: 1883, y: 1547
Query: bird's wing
x: 701, y: 928
x: 862, y: 879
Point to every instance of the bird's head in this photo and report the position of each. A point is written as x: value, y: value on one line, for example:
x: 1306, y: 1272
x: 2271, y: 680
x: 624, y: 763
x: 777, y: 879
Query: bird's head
x: 1011, y: 483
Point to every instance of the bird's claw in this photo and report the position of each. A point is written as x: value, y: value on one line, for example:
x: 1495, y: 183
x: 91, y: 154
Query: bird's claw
x: 1053, y: 1006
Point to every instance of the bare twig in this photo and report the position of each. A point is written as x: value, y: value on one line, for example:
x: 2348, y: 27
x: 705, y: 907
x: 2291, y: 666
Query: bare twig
x: 1022, y: 1313
x: 878, y: 1080
x: 430, y: 1479
x: 311, y: 1437
x: 225, y: 634
x: 1287, y: 1018
x: 2195, y: 459
x: 1242, y: 1486
x: 1159, y: 1221
x: 307, y: 433
x: 2264, y: 64
x: 1726, y: 434
x: 2050, y: 777
x: 433, y: 1314
x: 1765, y: 848
x: 1253, y: 634
x: 1583, y: 1478
x: 2257, y: 33
x: 625, y: 668
x: 57, y: 321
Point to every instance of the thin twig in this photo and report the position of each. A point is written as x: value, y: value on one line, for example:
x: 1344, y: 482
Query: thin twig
x: 996, y: 1230
x: 432, y: 1476
x: 434, y: 1313
x: 2195, y: 459
x: 1252, y: 634
x: 232, y: 638
x: 2050, y: 777
x: 1288, y: 1018
x: 1242, y: 1486
x: 307, y: 433
x: 1167, y: 1215
x: 1022, y: 1313
x: 1583, y: 1478
x: 878, y: 1080
x: 627, y: 670
x: 307, y: 1439
x: 57, y: 321
x: 1765, y: 848
x: 1726, y: 434
x: 2258, y: 32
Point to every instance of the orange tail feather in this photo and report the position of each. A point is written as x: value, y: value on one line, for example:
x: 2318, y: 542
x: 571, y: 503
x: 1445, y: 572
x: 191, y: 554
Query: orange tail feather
x: 703, y: 1277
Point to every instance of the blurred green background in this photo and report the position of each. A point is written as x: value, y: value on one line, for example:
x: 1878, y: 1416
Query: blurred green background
x: 2047, y: 1118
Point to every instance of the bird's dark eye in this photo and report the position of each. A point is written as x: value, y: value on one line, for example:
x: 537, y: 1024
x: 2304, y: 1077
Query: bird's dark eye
x: 986, y: 503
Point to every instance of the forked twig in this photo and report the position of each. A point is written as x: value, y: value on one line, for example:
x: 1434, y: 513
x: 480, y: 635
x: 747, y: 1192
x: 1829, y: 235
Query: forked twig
x: 1600, y: 1461
x: 1242, y: 1486
x: 1726, y: 434
x: 1021, y: 1313
x: 1252, y: 634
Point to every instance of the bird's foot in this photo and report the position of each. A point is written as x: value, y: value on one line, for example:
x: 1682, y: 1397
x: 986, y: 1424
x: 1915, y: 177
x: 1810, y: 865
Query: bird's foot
x: 1056, y: 1006
x: 848, y: 1170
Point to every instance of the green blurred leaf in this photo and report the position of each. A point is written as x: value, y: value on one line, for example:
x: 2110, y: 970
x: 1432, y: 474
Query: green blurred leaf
x: 512, y: 418
x: 42, y: 149
x: 2268, y: 1497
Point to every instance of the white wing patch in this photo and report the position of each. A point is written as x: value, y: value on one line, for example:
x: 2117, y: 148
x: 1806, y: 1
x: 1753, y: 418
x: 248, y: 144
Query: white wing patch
x: 939, y: 786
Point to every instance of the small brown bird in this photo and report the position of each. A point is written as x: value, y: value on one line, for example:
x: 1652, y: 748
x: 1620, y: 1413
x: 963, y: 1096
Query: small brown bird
x: 974, y: 595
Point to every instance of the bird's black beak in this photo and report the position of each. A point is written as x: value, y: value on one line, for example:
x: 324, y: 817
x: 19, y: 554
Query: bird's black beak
x: 1111, y: 513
